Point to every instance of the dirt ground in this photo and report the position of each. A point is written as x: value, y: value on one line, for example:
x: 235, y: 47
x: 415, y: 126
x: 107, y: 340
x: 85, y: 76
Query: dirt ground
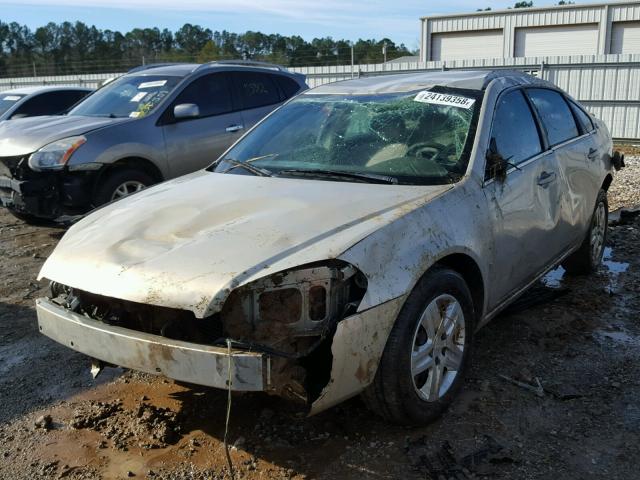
x: 578, y: 337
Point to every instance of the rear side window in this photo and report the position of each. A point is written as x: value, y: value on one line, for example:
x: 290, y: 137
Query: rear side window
x: 50, y: 103
x: 288, y: 86
x: 514, y: 128
x: 256, y: 89
x: 583, y: 118
x: 555, y: 114
x: 210, y: 93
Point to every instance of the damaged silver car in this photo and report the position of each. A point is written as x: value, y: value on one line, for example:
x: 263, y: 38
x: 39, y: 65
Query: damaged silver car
x: 352, y: 242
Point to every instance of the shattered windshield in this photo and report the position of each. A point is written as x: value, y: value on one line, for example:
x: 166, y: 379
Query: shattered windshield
x: 128, y: 96
x: 421, y: 137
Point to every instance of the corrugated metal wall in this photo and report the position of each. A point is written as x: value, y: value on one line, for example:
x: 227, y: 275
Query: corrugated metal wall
x: 608, y: 85
x: 509, y: 21
x: 603, y: 17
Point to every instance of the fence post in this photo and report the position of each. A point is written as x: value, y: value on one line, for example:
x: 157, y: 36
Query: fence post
x: 352, y: 57
x: 542, y: 70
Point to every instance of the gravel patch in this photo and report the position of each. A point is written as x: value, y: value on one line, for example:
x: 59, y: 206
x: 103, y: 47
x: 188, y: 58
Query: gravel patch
x: 625, y: 189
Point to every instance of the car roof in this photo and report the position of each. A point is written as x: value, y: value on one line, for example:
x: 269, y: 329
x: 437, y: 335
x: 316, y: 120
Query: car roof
x: 184, y: 69
x: 409, y: 82
x: 32, y: 90
x: 176, y: 69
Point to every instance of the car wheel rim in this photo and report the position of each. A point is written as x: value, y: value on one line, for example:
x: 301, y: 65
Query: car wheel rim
x: 127, y: 188
x: 438, y: 348
x: 598, y: 230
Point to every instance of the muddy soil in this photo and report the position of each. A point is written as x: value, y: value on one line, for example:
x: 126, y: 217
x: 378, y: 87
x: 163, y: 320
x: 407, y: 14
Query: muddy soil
x: 553, y: 393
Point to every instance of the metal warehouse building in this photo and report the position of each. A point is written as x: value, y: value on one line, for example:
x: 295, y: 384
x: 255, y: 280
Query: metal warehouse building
x: 592, y: 29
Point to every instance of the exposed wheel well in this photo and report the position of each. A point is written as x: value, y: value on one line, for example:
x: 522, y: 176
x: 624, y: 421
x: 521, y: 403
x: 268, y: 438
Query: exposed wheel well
x: 607, y: 182
x: 468, y: 268
x: 138, y: 163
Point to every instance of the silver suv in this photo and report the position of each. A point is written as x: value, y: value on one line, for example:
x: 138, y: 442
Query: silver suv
x: 154, y: 123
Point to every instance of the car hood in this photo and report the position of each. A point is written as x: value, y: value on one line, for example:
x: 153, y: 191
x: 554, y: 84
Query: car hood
x: 188, y: 242
x: 26, y: 135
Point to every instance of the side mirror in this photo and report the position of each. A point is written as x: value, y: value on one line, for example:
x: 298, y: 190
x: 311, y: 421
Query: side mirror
x: 186, y: 110
x: 496, y: 164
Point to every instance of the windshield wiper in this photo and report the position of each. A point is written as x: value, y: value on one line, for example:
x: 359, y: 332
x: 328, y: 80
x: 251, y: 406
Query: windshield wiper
x: 263, y: 172
x: 360, y: 176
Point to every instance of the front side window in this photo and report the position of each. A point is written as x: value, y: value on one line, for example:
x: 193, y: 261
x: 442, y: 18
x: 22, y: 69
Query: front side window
x: 210, y: 93
x: 555, y: 115
x: 8, y: 100
x: 128, y: 96
x: 408, y: 138
x: 514, y: 129
x: 256, y: 89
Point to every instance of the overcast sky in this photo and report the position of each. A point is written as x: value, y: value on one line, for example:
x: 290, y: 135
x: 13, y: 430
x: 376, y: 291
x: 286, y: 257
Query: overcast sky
x: 347, y: 19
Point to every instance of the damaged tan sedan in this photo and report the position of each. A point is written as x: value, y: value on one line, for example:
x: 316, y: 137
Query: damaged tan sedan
x: 352, y: 242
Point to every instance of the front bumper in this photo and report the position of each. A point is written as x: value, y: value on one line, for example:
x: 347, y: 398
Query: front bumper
x: 47, y: 195
x: 36, y: 197
x: 183, y: 361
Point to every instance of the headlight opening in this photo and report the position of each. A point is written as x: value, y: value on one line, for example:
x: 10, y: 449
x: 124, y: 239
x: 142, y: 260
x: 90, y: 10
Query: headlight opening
x: 285, y: 307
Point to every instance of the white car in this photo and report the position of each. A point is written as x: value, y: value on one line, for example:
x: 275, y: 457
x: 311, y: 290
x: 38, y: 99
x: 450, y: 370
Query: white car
x: 353, y: 241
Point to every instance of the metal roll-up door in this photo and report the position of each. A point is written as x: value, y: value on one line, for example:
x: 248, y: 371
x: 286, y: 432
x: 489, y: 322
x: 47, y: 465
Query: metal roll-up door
x: 557, y: 40
x: 467, y: 45
x: 625, y: 37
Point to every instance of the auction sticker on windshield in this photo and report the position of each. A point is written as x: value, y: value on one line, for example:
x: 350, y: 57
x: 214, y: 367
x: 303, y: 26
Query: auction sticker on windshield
x: 157, y: 83
x: 138, y: 96
x: 444, y: 99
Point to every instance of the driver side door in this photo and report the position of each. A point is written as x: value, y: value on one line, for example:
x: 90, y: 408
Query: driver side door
x: 194, y: 143
x: 525, y: 204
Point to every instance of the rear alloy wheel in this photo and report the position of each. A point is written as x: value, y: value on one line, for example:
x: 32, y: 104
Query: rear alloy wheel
x: 121, y: 183
x: 427, y: 352
x: 589, y: 256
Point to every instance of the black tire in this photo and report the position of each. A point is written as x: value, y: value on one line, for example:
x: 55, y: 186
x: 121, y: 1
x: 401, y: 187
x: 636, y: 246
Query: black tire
x: 112, y: 181
x: 583, y: 261
x: 393, y: 393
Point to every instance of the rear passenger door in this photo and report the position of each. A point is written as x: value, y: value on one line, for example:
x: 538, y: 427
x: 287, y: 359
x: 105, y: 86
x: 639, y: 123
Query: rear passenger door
x: 525, y: 205
x: 570, y: 148
x: 596, y: 152
x: 194, y: 143
x: 258, y: 94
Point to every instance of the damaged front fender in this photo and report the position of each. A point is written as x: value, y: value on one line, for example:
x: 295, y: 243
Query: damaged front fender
x: 357, y: 348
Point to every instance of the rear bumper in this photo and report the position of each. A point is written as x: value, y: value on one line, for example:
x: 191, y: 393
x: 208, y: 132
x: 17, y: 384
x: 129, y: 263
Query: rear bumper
x: 183, y: 361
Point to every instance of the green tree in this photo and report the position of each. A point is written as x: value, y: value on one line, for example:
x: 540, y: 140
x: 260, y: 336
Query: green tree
x: 208, y: 53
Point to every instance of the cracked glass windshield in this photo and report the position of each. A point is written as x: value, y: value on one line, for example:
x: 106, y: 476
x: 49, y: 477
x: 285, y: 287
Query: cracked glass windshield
x: 128, y: 96
x: 405, y: 138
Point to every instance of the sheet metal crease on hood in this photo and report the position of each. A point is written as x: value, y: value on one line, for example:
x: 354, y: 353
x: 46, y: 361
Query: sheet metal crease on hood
x: 204, y: 234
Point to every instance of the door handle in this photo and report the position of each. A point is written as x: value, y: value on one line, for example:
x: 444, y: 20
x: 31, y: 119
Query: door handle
x: 592, y: 154
x: 234, y: 128
x: 546, y: 178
